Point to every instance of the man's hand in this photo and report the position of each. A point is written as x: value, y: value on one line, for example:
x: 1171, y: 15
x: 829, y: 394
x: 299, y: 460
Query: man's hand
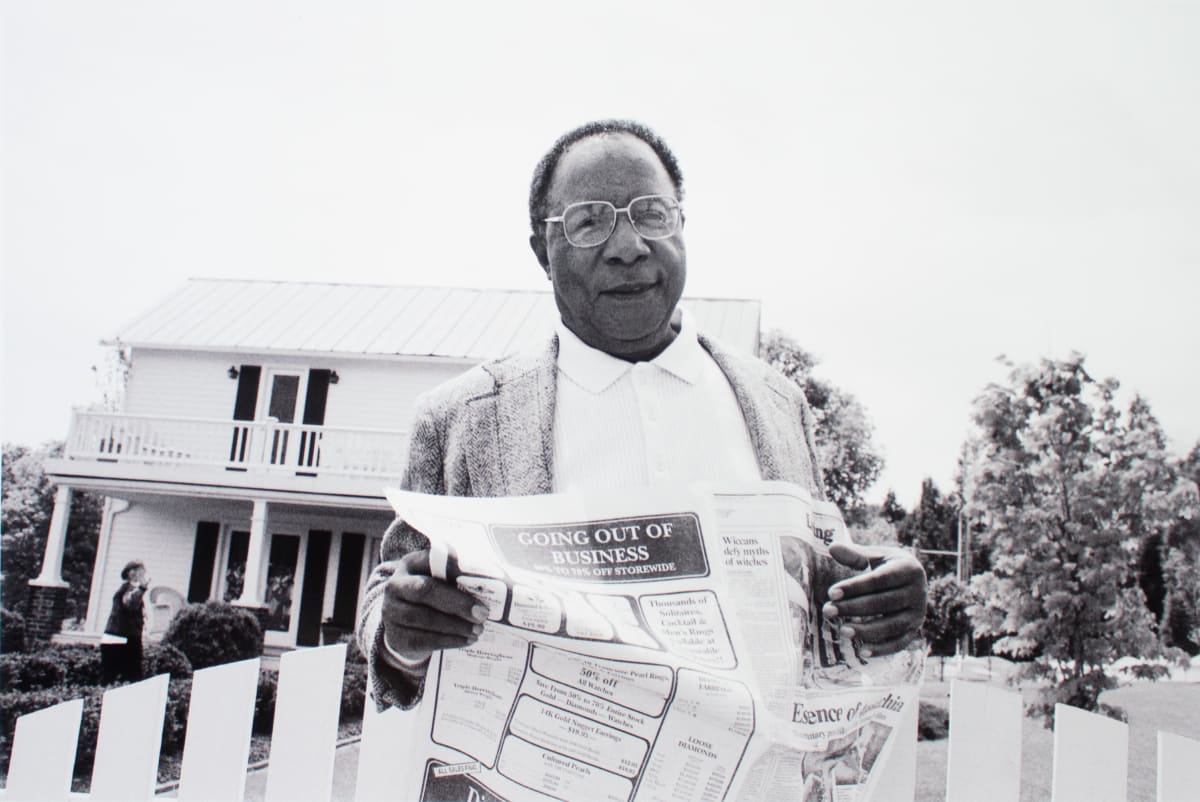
x: 422, y: 614
x: 882, y: 607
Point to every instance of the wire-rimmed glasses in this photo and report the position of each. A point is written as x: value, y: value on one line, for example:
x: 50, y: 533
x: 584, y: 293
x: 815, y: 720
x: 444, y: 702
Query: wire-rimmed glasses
x: 587, y: 224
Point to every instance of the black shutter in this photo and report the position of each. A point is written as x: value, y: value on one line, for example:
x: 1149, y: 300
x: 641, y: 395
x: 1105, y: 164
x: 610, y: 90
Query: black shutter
x: 204, y: 560
x: 243, y: 409
x: 345, y: 598
x: 314, y: 415
x: 314, y: 399
x: 312, y: 594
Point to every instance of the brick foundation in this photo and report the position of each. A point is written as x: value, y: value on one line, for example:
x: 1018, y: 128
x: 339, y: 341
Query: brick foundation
x: 45, y: 613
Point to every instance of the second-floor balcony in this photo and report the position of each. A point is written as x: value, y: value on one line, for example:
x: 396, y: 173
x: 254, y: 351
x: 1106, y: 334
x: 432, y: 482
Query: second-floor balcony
x: 234, y: 452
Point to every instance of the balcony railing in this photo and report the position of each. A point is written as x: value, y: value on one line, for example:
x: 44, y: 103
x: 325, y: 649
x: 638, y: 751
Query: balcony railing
x: 236, y: 445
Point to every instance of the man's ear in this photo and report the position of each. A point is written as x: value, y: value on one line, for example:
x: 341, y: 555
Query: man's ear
x: 538, y: 244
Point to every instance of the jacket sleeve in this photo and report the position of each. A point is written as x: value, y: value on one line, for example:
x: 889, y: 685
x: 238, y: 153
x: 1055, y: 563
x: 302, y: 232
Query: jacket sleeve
x: 391, y: 687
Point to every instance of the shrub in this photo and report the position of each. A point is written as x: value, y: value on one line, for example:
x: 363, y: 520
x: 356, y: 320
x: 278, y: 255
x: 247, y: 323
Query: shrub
x: 163, y: 658
x: 933, y: 722
x: 264, y: 701
x: 179, y: 697
x: 30, y: 672
x: 14, y: 704
x: 214, y: 633
x: 74, y: 665
x: 81, y: 663
x: 12, y: 631
x: 1082, y: 692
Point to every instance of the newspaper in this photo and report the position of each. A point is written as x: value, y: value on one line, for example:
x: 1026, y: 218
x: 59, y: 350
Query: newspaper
x: 657, y: 645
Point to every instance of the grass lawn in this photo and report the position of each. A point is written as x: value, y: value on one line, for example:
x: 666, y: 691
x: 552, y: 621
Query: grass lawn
x: 1151, y: 706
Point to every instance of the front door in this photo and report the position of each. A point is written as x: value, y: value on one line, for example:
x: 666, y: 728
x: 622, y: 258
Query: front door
x: 285, y: 564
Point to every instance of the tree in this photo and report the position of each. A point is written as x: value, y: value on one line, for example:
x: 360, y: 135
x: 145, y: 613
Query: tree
x: 842, y: 431
x: 946, y: 616
x: 1070, y: 488
x: 932, y: 524
x: 25, y: 510
x: 891, y: 510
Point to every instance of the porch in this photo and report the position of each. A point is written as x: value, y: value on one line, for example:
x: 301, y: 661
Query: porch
x: 261, y: 447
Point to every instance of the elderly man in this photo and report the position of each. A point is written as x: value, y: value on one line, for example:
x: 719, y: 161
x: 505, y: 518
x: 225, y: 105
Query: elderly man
x: 625, y: 395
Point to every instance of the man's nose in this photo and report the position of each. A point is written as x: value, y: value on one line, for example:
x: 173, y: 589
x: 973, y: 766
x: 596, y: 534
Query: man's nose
x: 625, y: 245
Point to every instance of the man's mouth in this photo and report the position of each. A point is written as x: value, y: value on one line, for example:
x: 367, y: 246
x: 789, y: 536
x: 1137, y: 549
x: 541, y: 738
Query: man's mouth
x: 630, y: 288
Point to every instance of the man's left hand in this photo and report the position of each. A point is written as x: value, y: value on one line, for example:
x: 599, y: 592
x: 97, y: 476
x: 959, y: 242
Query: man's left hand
x: 884, y: 606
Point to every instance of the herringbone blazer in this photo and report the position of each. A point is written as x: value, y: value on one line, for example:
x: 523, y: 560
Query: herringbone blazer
x: 490, y: 432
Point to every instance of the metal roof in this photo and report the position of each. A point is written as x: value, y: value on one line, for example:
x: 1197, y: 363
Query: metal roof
x: 378, y: 320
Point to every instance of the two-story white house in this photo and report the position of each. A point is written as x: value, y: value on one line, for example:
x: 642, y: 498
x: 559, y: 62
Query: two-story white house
x: 260, y: 423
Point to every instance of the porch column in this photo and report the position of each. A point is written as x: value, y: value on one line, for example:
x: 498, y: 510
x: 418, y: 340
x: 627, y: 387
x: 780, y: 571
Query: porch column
x: 48, y: 592
x: 253, y: 590
x: 51, y: 575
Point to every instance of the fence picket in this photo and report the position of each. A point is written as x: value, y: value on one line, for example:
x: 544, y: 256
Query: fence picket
x: 1090, y: 757
x: 131, y: 721
x: 384, y: 735
x: 43, y: 753
x: 1178, y: 768
x: 217, y: 747
x: 983, y: 762
x: 306, y: 718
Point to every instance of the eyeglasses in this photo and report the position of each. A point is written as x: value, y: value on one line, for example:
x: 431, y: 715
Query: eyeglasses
x: 590, y: 223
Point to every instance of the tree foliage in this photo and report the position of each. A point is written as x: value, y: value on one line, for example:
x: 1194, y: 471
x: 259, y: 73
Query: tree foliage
x: 25, y: 510
x: 850, y: 459
x: 932, y: 525
x: 1070, y: 487
x: 946, y: 614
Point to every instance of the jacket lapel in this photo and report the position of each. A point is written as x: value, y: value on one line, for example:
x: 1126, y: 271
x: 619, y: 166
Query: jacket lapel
x: 759, y: 415
x: 518, y: 418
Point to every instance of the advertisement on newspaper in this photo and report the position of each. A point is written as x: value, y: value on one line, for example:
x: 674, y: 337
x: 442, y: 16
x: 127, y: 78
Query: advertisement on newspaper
x: 654, y: 646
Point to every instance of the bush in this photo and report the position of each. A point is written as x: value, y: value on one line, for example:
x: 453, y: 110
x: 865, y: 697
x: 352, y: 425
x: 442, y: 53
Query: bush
x: 179, y: 697
x: 933, y: 722
x: 74, y: 665
x: 163, y: 658
x: 1082, y: 692
x: 214, y: 633
x: 14, y: 704
x: 264, y: 701
x: 81, y: 663
x: 12, y: 631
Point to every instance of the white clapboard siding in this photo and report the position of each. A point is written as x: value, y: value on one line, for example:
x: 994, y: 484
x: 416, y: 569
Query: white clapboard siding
x: 984, y: 751
x: 984, y: 755
x: 306, y: 723
x: 1090, y: 757
x: 43, y: 753
x: 220, y: 715
x: 131, y: 723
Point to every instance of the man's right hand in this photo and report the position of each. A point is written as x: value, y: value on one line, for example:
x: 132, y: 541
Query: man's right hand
x: 422, y: 614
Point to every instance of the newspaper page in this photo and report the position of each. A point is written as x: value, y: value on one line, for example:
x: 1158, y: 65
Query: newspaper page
x: 659, y: 645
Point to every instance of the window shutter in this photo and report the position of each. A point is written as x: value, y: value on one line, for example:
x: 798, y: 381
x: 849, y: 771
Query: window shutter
x: 243, y: 409
x: 314, y: 399
x: 247, y: 392
x: 204, y: 559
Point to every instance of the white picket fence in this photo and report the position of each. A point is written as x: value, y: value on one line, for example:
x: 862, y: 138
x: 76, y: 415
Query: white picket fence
x: 984, y: 763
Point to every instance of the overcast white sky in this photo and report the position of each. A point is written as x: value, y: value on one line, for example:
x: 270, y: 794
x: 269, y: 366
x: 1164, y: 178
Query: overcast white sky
x: 911, y: 192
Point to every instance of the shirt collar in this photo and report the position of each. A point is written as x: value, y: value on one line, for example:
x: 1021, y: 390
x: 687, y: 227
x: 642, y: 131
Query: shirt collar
x: 596, y: 371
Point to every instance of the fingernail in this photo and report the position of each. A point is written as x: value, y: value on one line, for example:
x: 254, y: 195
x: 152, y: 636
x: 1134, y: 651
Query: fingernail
x: 847, y: 632
x: 866, y: 652
x: 477, y: 629
x: 479, y: 613
x: 835, y: 593
x: 830, y: 611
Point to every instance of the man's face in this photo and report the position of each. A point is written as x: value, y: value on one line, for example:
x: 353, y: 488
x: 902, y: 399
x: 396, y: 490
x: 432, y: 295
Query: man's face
x: 617, y: 296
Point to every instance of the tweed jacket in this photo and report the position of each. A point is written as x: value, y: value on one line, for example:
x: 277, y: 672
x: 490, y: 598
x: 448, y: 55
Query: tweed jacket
x: 490, y: 432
